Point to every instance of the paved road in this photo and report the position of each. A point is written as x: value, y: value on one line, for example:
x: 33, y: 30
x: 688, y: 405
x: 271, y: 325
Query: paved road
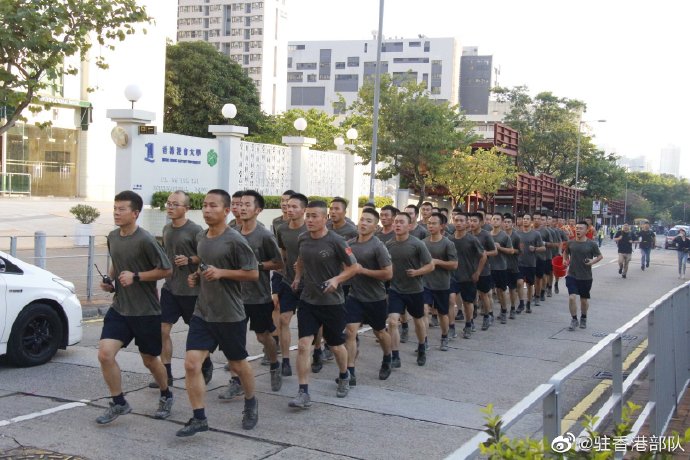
x: 418, y: 412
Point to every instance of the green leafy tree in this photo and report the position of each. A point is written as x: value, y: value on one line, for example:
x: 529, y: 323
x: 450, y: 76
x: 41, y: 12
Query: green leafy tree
x: 483, y: 171
x: 416, y: 133
x: 37, y: 36
x: 548, y: 131
x: 199, y: 80
x: 320, y: 126
x: 664, y: 196
x: 548, y: 127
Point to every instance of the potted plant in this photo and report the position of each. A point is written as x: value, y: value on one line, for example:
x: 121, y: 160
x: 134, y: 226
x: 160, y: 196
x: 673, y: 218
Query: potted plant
x: 85, y: 216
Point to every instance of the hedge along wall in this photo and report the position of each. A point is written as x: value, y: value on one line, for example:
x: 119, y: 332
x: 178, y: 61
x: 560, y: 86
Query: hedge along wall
x: 158, y: 200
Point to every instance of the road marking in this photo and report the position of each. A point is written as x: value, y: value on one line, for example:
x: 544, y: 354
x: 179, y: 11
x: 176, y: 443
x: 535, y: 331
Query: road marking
x: 99, y: 320
x: 588, y: 401
x: 52, y: 410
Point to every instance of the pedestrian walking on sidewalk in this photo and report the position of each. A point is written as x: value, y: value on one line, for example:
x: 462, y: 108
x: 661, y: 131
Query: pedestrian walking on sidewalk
x: 682, y: 243
x: 647, y: 243
x: 624, y: 239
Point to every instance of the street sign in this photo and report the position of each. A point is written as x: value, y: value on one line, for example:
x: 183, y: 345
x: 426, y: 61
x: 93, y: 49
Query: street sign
x: 596, y: 206
x: 605, y: 208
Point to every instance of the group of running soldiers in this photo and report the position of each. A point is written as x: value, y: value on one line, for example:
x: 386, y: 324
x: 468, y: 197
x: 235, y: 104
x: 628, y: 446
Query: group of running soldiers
x: 334, y: 275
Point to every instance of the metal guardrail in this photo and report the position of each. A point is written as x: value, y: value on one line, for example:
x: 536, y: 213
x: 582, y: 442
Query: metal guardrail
x: 667, y: 364
x: 15, y: 183
x: 40, y: 258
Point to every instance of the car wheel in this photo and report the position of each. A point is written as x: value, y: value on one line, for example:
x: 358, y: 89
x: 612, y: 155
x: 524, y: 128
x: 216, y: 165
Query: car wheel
x: 35, y: 337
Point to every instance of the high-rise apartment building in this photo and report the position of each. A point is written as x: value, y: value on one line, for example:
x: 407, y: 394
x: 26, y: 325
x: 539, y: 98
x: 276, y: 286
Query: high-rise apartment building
x: 475, y: 81
x: 251, y: 33
x: 320, y: 72
x: 670, y: 160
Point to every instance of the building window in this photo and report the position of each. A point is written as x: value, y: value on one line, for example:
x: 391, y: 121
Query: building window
x: 353, y: 61
x: 339, y: 65
x: 307, y: 95
x: 311, y: 78
x: 295, y: 77
x: 295, y: 47
x: 400, y: 78
x: 306, y: 66
x: 339, y: 107
x: 392, y: 47
x: 346, y: 83
x: 427, y: 46
x: 414, y: 44
x: 435, y: 90
x: 257, y: 31
x: 415, y: 60
x: 289, y: 62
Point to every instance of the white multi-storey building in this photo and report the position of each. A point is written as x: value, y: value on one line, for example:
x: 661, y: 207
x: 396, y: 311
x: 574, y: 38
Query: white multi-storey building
x: 320, y: 72
x: 669, y: 161
x: 251, y: 33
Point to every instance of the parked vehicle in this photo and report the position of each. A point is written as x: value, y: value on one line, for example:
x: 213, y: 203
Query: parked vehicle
x: 672, y: 233
x: 39, y: 313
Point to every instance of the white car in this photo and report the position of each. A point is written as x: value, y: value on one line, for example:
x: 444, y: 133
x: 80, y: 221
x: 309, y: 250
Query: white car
x: 39, y: 313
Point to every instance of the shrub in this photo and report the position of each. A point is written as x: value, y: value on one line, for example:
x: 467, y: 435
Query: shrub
x: 379, y: 201
x: 84, y: 213
x: 196, y: 200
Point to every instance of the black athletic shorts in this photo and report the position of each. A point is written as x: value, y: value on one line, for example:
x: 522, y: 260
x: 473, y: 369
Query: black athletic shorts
x: 145, y: 330
x: 175, y: 307
x: 528, y: 274
x: 289, y: 299
x: 468, y: 291
x: 578, y: 287
x: 260, y: 317
x: 512, y: 278
x: 540, y: 269
x: 372, y: 313
x: 397, y: 303
x: 548, y: 267
x: 454, y: 286
x: 500, y: 278
x: 332, y: 317
x: 276, y: 281
x: 231, y: 338
x: 485, y: 284
x: 437, y: 298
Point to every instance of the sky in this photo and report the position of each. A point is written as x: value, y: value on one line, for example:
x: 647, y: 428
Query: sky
x: 629, y: 61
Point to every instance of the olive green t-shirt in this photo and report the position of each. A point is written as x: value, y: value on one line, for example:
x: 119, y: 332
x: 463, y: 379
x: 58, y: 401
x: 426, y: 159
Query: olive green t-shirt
x: 371, y: 255
x: 265, y: 249
x: 138, y: 252
x: 287, y: 241
x: 411, y: 253
x: 180, y: 241
x: 439, y: 279
x: 579, y: 251
x: 322, y: 259
x: 220, y: 301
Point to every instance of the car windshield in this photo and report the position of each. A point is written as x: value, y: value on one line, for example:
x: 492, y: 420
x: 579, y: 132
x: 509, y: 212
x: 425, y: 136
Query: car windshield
x: 672, y: 232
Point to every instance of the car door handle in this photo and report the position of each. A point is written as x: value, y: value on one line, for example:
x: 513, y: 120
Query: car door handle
x: 16, y: 291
